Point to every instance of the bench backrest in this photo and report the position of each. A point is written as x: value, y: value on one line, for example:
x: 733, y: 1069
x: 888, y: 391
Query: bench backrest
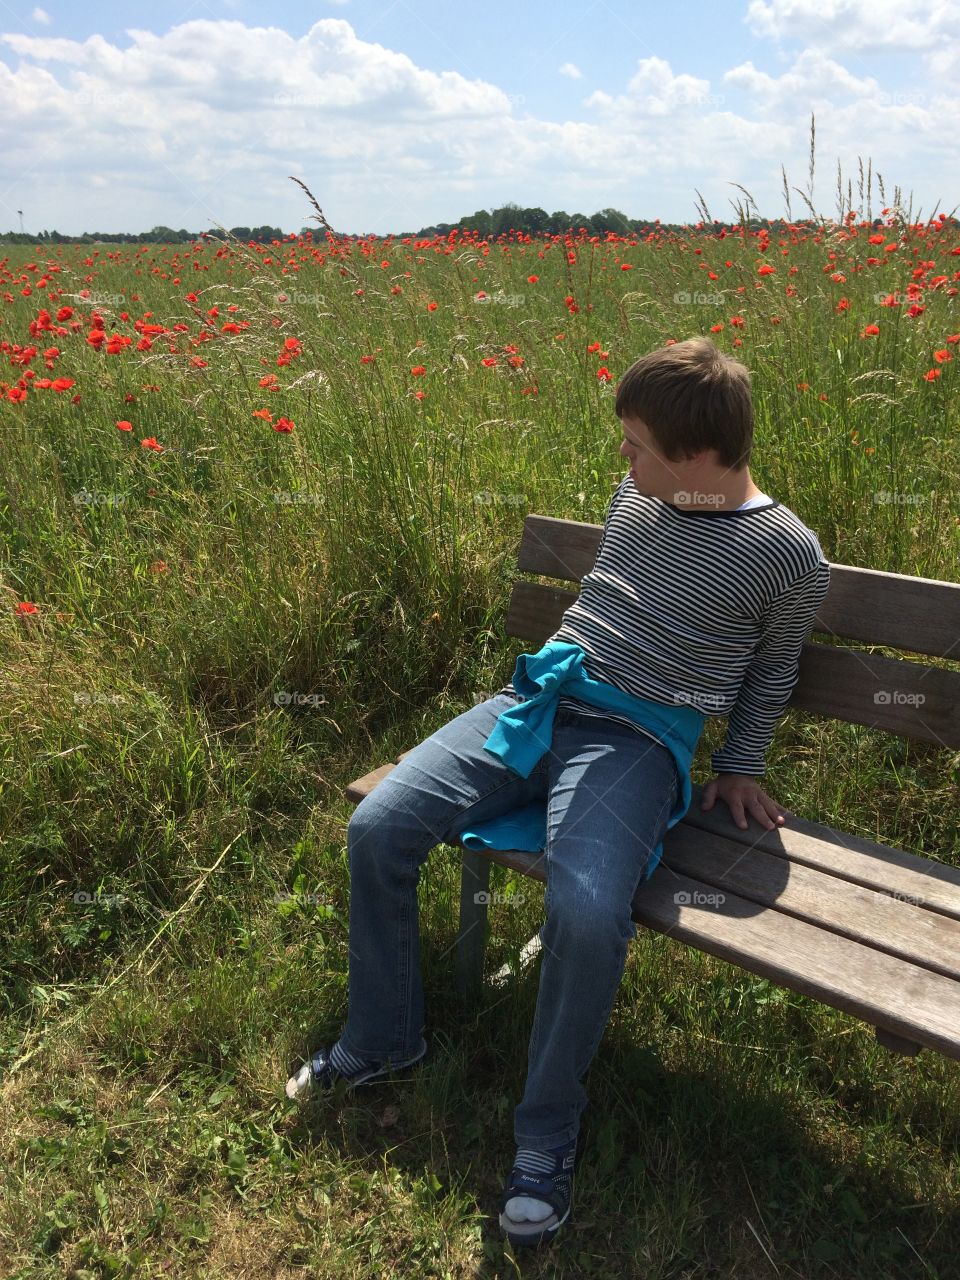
x: 892, y: 610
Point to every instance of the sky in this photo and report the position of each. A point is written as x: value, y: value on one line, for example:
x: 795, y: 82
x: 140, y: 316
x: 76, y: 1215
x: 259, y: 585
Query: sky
x: 400, y: 114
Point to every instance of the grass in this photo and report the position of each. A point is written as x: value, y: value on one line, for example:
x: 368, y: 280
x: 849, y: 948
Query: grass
x: 232, y: 628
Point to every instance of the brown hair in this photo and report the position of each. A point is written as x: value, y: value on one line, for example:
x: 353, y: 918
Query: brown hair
x: 691, y: 396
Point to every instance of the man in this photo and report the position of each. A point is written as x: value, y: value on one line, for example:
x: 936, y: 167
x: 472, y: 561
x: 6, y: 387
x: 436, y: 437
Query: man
x: 699, y: 600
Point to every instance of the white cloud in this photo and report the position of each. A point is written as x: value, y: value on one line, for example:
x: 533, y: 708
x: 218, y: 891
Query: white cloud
x: 206, y: 122
x: 655, y: 91
x: 572, y: 70
x: 858, y: 25
x: 41, y: 16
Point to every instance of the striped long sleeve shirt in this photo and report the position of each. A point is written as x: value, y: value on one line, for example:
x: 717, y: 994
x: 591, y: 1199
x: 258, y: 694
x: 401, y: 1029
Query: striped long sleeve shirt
x: 708, y: 609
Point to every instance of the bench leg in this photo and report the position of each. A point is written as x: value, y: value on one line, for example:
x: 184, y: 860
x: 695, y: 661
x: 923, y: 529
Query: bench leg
x: 472, y: 940
x: 897, y: 1044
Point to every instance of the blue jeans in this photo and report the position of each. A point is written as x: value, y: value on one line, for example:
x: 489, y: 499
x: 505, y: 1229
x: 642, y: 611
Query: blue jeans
x: 609, y: 792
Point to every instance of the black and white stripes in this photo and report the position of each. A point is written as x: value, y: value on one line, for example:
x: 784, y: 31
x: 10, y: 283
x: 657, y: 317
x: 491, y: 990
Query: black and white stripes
x: 700, y: 607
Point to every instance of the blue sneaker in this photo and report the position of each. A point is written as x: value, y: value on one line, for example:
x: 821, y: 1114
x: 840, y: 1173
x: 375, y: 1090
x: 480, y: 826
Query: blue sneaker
x: 319, y: 1075
x: 545, y: 1176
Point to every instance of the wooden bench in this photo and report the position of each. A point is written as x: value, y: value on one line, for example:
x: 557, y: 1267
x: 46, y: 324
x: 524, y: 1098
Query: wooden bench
x: 871, y: 930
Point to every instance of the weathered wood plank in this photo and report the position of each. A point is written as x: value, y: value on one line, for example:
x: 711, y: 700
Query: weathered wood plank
x: 838, y: 853
x: 884, y: 991
x: 900, y: 611
x: 839, y: 683
x: 892, y: 924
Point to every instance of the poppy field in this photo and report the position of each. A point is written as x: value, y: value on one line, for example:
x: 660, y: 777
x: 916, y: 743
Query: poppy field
x: 259, y: 512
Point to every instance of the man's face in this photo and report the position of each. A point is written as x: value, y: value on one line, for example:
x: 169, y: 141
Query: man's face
x: 650, y: 471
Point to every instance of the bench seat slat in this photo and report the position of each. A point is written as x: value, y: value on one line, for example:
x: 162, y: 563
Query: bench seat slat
x: 839, y: 853
x: 885, y: 991
x: 878, y: 920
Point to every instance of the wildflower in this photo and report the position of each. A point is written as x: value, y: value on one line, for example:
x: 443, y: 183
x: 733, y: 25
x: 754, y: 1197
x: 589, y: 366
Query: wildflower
x: 64, y: 313
x: 151, y: 443
x: 418, y: 370
x: 368, y: 359
x: 25, y: 607
x: 284, y: 424
x: 870, y: 331
x: 604, y: 374
x: 62, y: 384
x: 158, y: 566
x: 418, y: 395
x: 263, y: 413
x: 230, y: 327
x: 737, y: 322
x: 489, y: 361
x: 915, y: 311
x: 517, y: 361
x: 432, y: 306
x: 766, y: 270
x: 592, y: 347
x: 803, y: 386
x: 842, y: 305
x: 943, y: 356
x: 532, y: 279
x: 626, y: 266
x: 931, y: 375
x: 270, y: 382
x: 716, y: 328
x: 124, y: 425
x: 291, y: 344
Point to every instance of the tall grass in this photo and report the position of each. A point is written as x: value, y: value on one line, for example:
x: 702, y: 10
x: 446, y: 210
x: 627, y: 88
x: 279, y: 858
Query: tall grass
x: 230, y: 629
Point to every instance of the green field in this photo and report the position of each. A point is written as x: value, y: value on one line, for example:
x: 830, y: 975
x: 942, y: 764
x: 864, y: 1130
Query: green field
x: 293, y: 565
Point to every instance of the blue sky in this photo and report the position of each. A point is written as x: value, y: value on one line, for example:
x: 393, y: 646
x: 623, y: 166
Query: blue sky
x: 401, y: 113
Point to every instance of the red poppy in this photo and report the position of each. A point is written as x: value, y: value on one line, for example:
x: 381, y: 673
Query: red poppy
x: 432, y: 306
x: 123, y: 425
x: 943, y: 356
x: 151, y: 443
x: 263, y: 413
x: 25, y: 607
x: 870, y: 331
x: 489, y: 361
x: 284, y: 424
x: 418, y: 370
x: 604, y: 374
x: 931, y: 375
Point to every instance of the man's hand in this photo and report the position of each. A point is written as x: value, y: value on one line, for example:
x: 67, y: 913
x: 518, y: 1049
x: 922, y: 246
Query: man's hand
x: 741, y: 791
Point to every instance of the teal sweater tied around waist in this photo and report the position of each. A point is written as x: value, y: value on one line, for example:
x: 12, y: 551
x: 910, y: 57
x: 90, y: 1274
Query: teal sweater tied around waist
x: 524, y: 732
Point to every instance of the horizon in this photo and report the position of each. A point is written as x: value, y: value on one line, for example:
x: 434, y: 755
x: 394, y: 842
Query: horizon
x: 396, y: 120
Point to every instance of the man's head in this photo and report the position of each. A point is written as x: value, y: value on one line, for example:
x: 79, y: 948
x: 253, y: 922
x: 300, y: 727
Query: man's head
x: 691, y: 397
